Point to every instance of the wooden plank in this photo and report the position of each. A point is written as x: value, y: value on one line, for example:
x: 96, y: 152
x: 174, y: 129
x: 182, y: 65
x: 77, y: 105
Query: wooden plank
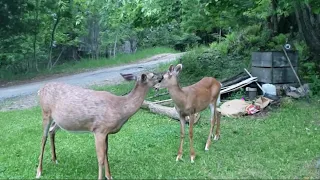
x: 235, y: 79
x: 274, y: 75
x: 284, y: 75
x: 279, y: 59
x: 239, y: 85
x: 263, y: 74
x: 261, y: 59
x: 273, y: 59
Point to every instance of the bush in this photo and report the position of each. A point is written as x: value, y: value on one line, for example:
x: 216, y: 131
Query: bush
x: 169, y: 35
x: 224, y: 59
x: 203, y: 62
x: 308, y: 67
x: 185, y: 41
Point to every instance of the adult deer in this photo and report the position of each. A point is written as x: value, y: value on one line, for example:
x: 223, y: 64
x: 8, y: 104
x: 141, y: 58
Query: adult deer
x: 190, y: 100
x: 76, y: 109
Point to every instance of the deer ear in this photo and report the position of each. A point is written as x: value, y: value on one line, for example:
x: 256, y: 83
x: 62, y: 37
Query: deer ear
x: 143, y: 78
x: 128, y: 77
x: 171, y: 68
x: 178, y: 68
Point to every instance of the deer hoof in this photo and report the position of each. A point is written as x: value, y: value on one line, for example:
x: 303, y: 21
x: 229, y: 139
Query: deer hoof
x: 38, y: 174
x: 206, y: 148
x: 216, y: 137
x: 192, y: 159
x: 179, y: 157
x: 109, y: 178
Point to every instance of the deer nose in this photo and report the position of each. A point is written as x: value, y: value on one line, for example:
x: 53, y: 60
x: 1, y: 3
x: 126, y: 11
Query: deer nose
x: 161, y: 79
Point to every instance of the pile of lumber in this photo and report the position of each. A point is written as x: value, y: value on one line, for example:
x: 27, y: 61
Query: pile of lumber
x: 236, y: 82
x: 238, y: 85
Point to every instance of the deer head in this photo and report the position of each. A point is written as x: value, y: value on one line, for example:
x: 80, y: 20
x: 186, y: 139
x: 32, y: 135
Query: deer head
x: 170, y: 77
x: 150, y: 79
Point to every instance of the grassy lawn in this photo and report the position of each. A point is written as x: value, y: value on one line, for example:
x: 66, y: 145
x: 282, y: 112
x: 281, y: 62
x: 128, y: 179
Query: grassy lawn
x: 86, y: 64
x: 283, y: 145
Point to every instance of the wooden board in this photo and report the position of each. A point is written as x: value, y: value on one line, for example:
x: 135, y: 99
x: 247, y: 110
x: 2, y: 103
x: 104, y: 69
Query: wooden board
x: 238, y: 85
x: 273, y: 59
x: 274, y: 75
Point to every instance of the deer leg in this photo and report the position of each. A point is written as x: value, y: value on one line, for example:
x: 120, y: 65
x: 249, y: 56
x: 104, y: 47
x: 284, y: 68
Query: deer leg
x: 45, y: 124
x: 192, y: 153
x: 218, y: 117
x: 182, y: 125
x: 213, y: 121
x: 52, y: 131
x: 100, y: 141
x: 106, y: 162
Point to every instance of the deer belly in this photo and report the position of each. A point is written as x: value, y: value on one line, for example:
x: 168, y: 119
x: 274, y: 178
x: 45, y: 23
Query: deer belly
x: 74, y: 124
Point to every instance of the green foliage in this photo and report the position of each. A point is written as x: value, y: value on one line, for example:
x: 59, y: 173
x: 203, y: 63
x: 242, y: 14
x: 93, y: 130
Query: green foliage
x: 12, y: 14
x: 220, y: 47
x: 308, y: 69
x: 38, y: 34
x: 277, y: 42
x: 185, y: 41
x: 209, y: 62
x: 168, y: 35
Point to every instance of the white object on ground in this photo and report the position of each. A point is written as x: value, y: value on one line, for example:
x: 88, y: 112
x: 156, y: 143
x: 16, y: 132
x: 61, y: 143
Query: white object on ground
x: 269, y: 89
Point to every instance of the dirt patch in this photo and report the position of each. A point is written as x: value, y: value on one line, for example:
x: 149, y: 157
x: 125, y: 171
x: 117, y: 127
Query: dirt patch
x: 16, y: 103
x: 310, y: 170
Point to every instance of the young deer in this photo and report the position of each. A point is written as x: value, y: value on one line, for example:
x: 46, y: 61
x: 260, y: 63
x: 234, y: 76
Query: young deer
x: 102, y: 113
x: 190, y: 100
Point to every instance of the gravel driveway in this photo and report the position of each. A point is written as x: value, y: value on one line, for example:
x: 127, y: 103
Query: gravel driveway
x: 24, y: 96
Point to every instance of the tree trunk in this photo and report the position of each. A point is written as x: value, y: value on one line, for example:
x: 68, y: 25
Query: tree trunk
x: 309, y: 27
x: 95, y: 37
x: 158, y: 109
x: 274, y: 17
x: 115, y: 46
x: 36, y: 35
x: 167, y: 111
x: 58, y: 58
x: 49, y: 66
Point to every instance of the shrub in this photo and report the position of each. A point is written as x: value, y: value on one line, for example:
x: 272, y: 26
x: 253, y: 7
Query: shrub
x: 224, y: 59
x: 168, y: 35
x: 203, y: 62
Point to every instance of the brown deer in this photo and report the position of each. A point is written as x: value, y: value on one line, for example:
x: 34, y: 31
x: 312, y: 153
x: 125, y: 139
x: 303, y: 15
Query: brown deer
x: 190, y: 100
x: 74, y: 108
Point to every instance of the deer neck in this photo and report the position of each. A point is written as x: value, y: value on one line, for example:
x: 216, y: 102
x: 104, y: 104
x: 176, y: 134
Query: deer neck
x: 177, y: 95
x: 135, y: 98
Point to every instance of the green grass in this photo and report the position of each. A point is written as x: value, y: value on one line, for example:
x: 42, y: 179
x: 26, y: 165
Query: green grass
x: 282, y: 145
x: 86, y: 64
